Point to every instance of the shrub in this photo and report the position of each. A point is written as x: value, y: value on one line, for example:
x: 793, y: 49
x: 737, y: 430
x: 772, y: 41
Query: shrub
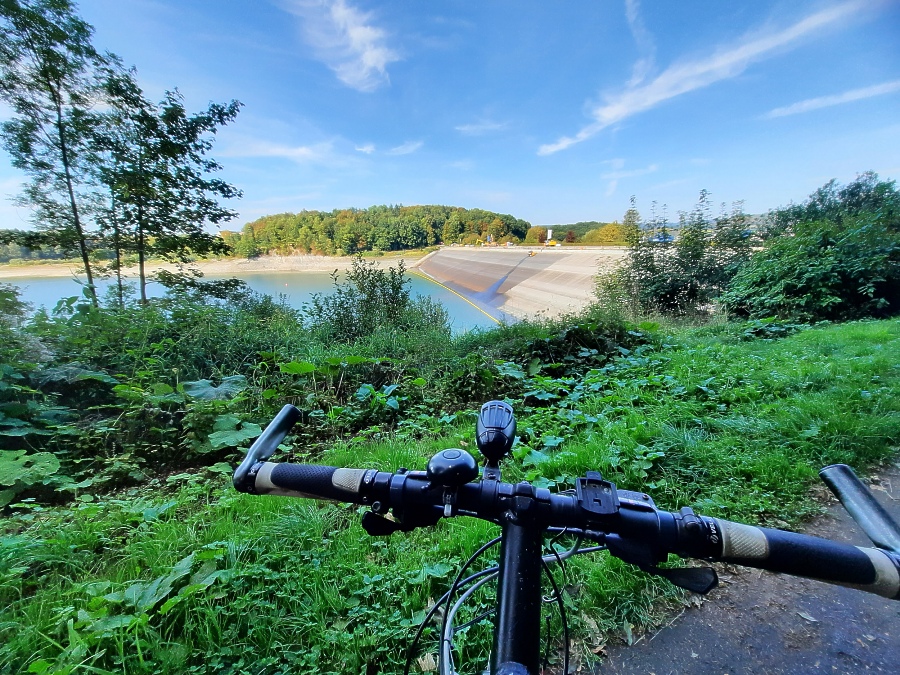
x: 608, y: 234
x: 824, y: 271
x: 371, y: 300
x: 835, y: 257
x: 679, y: 276
x: 536, y: 235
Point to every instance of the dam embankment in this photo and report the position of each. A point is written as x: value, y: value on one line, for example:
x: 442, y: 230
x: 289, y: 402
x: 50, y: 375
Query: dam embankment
x: 515, y: 283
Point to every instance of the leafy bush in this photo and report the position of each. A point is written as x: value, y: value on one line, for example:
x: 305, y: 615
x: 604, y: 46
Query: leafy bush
x: 19, y: 470
x: 679, y: 276
x: 836, y: 257
x: 12, y: 308
x: 371, y: 300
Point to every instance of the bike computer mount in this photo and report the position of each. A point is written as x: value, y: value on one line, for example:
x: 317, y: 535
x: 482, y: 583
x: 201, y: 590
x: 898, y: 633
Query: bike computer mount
x: 598, y: 498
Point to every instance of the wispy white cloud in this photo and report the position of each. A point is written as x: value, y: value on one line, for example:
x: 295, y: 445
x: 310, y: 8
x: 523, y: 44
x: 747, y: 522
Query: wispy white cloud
x: 407, y: 148
x: 481, y: 127
x: 836, y: 99
x: 346, y: 40
x: 644, y: 42
x: 366, y: 149
x: 615, y: 176
x: 299, y: 153
x: 686, y: 76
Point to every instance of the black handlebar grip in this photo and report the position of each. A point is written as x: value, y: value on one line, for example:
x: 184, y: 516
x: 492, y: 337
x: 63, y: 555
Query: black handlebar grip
x: 312, y: 481
x: 265, y: 446
x: 867, y: 569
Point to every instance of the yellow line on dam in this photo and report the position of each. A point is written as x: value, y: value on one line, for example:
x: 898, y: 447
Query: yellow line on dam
x: 460, y: 296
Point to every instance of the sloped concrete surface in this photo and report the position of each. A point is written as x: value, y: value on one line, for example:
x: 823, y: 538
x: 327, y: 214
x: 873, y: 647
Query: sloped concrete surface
x: 553, y: 281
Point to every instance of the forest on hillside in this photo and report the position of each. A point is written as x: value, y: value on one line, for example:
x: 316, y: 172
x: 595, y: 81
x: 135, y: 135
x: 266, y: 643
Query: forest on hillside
x: 397, y: 227
x: 378, y: 228
x: 345, y: 232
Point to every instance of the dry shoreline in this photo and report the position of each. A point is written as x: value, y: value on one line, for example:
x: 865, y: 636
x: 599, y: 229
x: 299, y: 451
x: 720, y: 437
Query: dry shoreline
x: 521, y: 282
x: 221, y: 267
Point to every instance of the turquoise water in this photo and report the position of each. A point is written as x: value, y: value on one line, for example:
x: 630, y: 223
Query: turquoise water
x: 295, y: 287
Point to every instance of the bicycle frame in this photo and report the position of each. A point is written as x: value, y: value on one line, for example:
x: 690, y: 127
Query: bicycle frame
x: 517, y: 628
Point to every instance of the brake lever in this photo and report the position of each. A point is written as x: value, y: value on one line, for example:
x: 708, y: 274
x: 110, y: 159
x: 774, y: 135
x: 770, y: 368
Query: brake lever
x: 696, y: 579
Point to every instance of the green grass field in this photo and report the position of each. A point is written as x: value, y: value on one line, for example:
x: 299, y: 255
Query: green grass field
x: 184, y: 575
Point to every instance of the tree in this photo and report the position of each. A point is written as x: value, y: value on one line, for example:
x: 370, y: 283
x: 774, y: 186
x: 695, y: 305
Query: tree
x: 570, y: 237
x: 452, y: 229
x: 49, y: 76
x: 679, y: 276
x: 117, y: 137
x: 608, y: 234
x: 536, y: 235
x: 158, y: 172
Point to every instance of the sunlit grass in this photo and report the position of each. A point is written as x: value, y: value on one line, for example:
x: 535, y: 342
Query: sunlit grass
x: 742, y: 428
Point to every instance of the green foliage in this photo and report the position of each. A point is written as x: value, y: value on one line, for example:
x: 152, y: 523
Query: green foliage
x: 836, y: 257
x: 378, y: 228
x: 206, y: 391
x: 153, y: 160
x: 19, y: 471
x: 186, y: 575
x: 12, y: 309
x: 536, y: 235
x: 679, y: 275
x: 608, y: 234
x: 111, y: 174
x: 50, y: 77
x: 371, y: 300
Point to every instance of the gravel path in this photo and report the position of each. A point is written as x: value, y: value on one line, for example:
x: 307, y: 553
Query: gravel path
x: 758, y: 622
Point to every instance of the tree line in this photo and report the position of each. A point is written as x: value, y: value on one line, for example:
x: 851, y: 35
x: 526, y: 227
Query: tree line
x: 378, y: 228
x: 108, y: 169
x: 397, y: 227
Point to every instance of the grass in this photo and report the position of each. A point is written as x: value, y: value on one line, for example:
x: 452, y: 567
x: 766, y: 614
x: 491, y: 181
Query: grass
x: 186, y: 575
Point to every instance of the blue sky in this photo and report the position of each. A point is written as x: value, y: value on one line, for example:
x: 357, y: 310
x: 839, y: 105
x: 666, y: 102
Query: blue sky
x: 552, y: 111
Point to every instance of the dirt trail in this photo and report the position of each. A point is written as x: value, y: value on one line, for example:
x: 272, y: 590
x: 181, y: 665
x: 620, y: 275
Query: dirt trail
x: 774, y: 624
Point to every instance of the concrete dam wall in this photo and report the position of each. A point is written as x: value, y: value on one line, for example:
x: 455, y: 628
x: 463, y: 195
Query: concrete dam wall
x: 510, y: 283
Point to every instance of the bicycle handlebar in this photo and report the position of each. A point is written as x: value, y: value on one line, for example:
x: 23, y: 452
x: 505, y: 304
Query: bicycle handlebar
x: 627, y: 522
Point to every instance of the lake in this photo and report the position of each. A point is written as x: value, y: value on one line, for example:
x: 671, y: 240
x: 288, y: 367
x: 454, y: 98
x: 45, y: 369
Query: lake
x: 295, y: 287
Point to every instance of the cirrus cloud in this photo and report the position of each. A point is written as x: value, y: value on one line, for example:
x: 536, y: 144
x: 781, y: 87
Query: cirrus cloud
x: 690, y: 75
x: 836, y: 99
x: 406, y: 148
x: 481, y: 127
x: 346, y: 40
